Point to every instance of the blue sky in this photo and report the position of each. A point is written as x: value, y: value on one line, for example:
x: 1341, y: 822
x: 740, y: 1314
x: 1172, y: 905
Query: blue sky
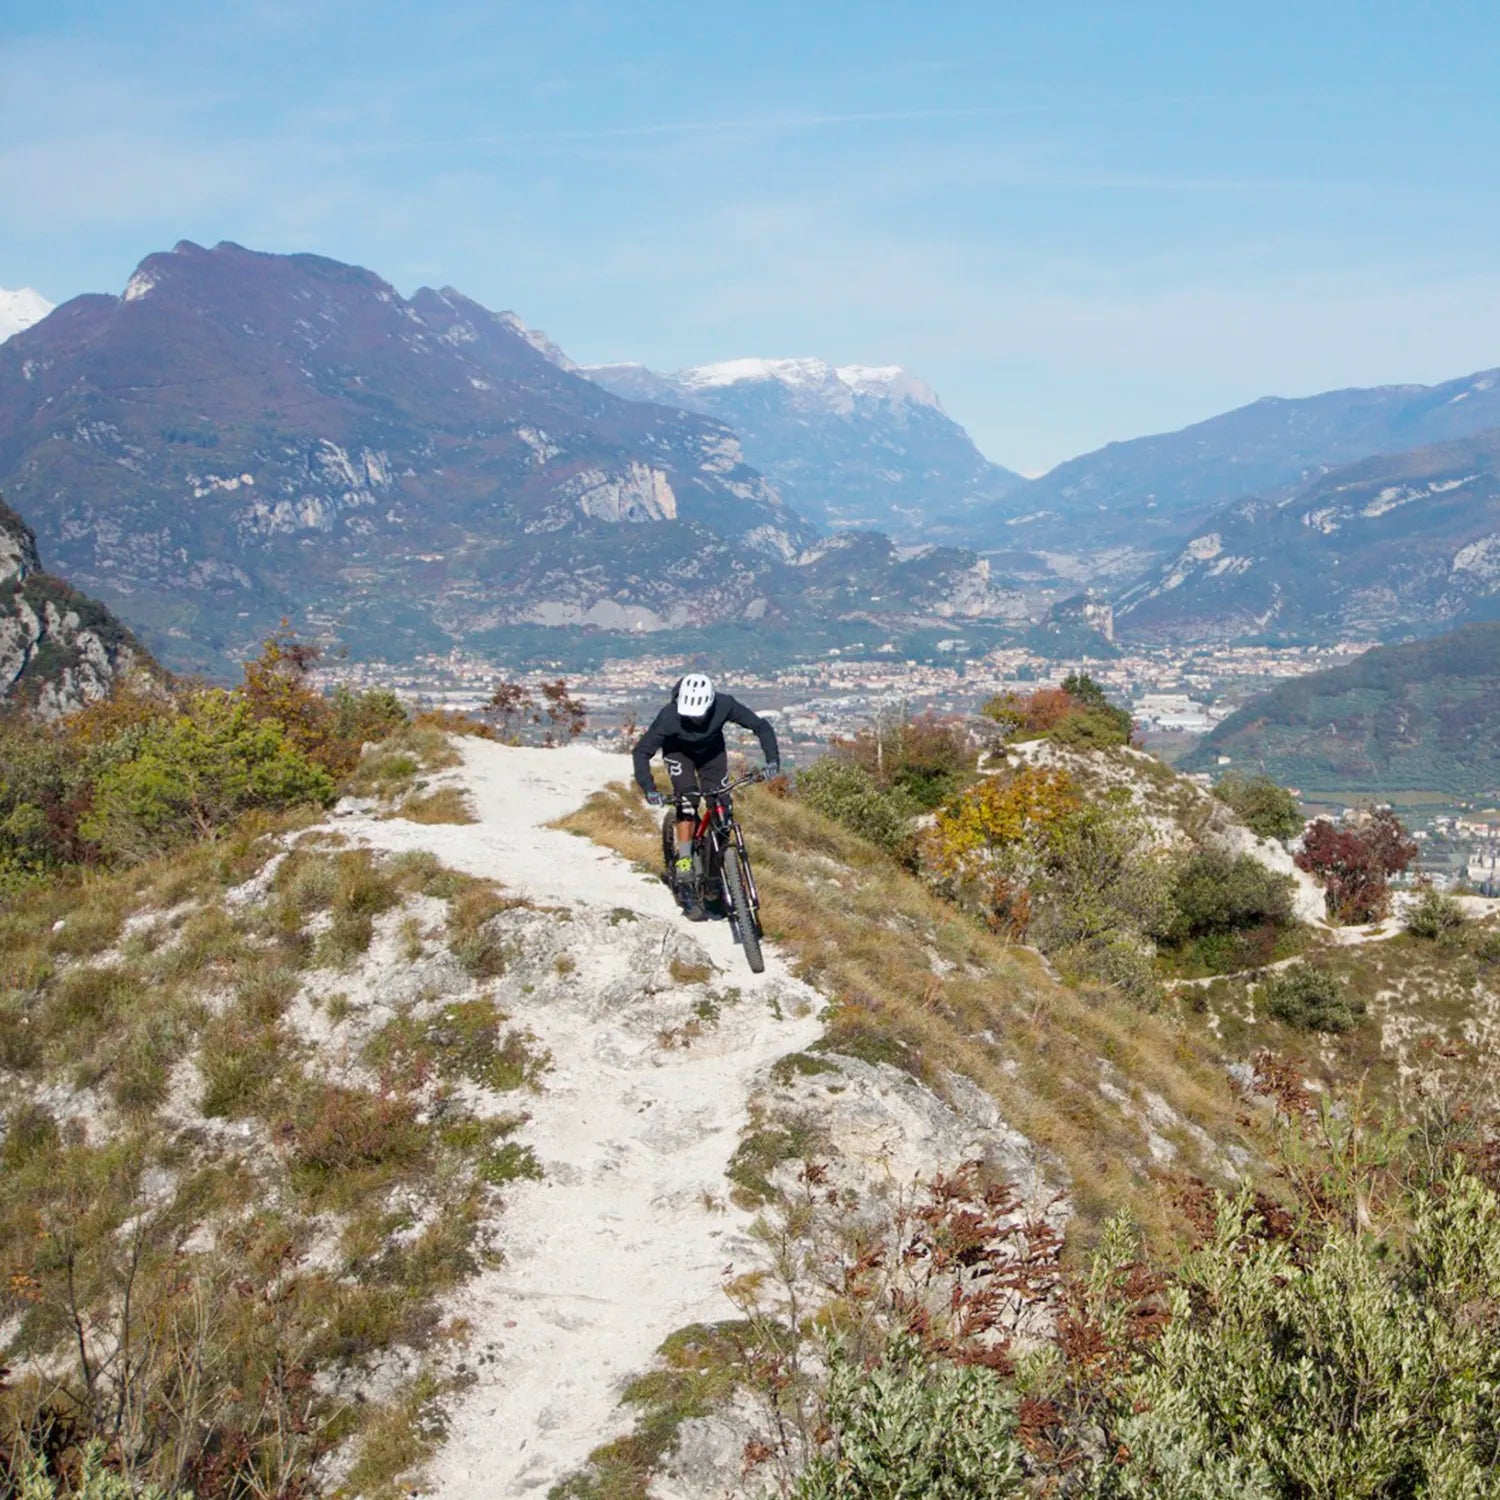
x: 1080, y: 222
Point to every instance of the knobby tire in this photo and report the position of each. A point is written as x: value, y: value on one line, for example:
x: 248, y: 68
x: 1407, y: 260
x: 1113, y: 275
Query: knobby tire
x: 669, y: 847
x: 740, y: 912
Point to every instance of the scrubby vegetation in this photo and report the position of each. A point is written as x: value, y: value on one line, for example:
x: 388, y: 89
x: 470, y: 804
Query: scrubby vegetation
x: 926, y: 758
x: 1434, y: 915
x: 1331, y: 1334
x: 1263, y: 807
x: 1228, y: 912
x: 157, y: 765
x: 1308, y: 997
x: 844, y: 791
x: 210, y: 1226
x: 1077, y: 714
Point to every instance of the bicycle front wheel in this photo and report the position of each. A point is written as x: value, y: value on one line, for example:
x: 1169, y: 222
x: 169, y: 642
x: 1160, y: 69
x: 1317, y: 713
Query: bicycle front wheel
x: 741, y: 914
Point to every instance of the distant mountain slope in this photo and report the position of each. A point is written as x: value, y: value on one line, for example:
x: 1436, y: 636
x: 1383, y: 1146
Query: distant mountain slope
x: 1421, y: 715
x: 849, y: 446
x: 242, y: 437
x: 59, y: 649
x: 20, y: 310
x: 1386, y: 546
x: 1151, y: 490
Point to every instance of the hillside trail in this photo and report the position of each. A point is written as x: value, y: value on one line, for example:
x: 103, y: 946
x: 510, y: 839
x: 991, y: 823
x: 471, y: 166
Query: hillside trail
x: 629, y: 1235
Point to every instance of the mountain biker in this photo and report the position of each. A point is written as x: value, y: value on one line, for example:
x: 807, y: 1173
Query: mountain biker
x: 689, y: 732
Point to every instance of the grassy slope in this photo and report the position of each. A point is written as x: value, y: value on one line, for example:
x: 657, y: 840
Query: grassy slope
x: 913, y: 982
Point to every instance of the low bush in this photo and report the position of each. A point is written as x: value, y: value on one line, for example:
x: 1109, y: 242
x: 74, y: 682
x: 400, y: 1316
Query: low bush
x: 1311, y: 999
x: 1434, y: 915
x: 844, y: 791
x: 1263, y: 807
x: 914, y: 1427
x: 1216, y: 892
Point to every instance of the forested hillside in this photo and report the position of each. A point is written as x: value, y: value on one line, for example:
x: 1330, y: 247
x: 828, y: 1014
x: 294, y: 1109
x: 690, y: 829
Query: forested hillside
x: 1425, y: 714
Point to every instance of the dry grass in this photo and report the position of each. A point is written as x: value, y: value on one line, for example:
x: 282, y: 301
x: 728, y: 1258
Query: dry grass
x: 448, y: 804
x: 914, y: 982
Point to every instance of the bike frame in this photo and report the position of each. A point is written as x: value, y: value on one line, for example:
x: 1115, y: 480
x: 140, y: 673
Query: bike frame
x: 716, y: 827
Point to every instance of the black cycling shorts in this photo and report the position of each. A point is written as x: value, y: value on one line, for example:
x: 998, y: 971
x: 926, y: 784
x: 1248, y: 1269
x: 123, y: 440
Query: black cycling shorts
x: 690, y: 781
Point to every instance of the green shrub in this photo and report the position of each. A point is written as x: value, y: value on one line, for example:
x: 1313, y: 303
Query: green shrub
x: 196, y: 770
x: 1434, y: 915
x: 93, y: 1481
x: 843, y: 791
x: 911, y: 1428
x: 371, y: 715
x: 1334, y: 1364
x: 1311, y: 999
x: 1263, y: 807
x: 1216, y: 892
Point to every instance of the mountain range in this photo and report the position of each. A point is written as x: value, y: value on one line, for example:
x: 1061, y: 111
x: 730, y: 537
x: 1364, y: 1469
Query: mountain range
x: 1390, y: 545
x: 1423, y: 714
x: 849, y: 446
x: 1145, y: 494
x: 241, y: 437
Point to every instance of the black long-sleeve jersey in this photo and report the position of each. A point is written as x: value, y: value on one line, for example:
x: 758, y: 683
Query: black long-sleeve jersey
x: 699, y: 743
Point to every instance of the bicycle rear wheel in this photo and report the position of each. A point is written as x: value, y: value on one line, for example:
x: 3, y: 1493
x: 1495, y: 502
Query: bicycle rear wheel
x: 669, y: 847
x: 741, y: 913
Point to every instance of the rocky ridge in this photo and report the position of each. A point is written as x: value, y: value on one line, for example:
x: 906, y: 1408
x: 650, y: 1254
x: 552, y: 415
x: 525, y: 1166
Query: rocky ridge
x: 59, y: 649
x: 1389, y: 545
x: 1109, y: 509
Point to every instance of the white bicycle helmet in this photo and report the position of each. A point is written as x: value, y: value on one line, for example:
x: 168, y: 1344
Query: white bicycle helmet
x: 695, y: 695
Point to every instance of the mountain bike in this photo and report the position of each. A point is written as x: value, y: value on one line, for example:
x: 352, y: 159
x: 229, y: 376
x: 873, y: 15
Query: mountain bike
x: 721, y: 864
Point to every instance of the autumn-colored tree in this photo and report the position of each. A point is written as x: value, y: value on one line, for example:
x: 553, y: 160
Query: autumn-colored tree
x: 565, y: 714
x: 512, y: 705
x: 1076, y: 713
x: 989, y: 843
x: 926, y: 756
x: 278, y: 686
x: 1356, y: 863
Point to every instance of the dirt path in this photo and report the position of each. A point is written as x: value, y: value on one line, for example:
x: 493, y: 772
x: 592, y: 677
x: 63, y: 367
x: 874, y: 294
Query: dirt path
x: 629, y: 1234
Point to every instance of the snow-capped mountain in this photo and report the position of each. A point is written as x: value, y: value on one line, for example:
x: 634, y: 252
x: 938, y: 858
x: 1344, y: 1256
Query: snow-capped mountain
x: 20, y: 310
x: 848, y: 445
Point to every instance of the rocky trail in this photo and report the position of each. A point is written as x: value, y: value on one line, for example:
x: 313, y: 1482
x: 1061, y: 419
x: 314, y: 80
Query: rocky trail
x: 629, y: 1234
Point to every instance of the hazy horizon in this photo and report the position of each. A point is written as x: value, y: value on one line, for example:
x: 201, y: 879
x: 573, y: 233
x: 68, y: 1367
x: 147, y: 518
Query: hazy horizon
x: 1076, y: 234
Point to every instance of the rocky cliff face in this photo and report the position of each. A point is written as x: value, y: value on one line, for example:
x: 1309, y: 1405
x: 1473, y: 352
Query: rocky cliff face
x: 59, y: 649
x: 1395, y: 544
x: 850, y: 446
